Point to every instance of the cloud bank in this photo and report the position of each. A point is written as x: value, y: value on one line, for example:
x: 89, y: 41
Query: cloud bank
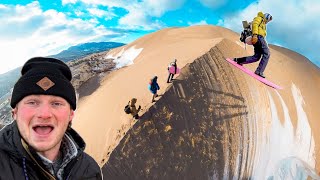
x: 27, y: 31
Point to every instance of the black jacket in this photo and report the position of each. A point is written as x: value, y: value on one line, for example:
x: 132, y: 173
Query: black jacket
x: 17, y: 164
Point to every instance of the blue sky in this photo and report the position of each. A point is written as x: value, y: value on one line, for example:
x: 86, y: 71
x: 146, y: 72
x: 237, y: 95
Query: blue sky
x: 40, y: 28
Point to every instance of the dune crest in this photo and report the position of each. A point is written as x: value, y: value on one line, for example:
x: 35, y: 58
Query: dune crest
x: 209, y: 123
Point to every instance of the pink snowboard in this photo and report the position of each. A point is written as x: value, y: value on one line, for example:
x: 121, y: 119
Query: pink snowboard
x: 263, y: 80
x: 171, y: 70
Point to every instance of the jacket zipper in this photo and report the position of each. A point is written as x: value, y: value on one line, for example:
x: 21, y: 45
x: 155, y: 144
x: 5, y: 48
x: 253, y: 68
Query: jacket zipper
x: 71, y: 164
x: 44, y: 172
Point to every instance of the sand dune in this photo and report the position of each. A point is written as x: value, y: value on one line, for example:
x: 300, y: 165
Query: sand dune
x: 214, y: 121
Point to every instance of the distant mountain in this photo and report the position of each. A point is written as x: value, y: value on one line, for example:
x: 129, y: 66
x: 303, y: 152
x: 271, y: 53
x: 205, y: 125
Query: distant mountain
x: 82, y: 50
x: 8, y: 79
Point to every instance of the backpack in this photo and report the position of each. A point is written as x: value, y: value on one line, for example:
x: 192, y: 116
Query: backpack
x: 127, y: 108
x: 153, y: 87
x: 246, y: 32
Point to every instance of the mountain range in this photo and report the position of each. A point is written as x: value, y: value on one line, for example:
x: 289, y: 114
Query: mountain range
x: 8, y: 79
x: 82, y: 50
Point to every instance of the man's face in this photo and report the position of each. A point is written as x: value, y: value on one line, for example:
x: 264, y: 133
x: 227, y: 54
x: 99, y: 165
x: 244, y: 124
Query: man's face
x: 42, y: 121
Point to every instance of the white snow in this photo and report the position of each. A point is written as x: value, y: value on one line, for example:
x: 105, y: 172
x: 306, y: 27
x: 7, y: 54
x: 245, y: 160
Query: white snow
x: 125, y: 57
x: 281, y: 143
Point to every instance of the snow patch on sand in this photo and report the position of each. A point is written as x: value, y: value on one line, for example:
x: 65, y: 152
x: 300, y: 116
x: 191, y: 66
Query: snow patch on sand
x: 304, y: 140
x: 125, y: 57
x: 282, y: 141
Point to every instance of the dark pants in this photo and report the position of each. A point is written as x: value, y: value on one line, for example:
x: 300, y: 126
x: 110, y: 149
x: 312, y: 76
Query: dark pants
x: 170, y: 77
x: 260, y: 49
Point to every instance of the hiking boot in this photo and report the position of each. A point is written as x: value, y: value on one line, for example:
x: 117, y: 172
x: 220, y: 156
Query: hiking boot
x: 259, y: 74
x: 237, y: 61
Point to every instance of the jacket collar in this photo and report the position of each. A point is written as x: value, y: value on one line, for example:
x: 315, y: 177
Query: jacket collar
x: 10, y: 140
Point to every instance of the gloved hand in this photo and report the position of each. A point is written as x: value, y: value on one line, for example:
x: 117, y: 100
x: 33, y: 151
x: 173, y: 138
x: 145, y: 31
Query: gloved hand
x: 139, y: 107
x: 254, y: 39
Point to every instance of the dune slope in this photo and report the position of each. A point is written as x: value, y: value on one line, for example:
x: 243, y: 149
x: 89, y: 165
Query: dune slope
x: 213, y: 121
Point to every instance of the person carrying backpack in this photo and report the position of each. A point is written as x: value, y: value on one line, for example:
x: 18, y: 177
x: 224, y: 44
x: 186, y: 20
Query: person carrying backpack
x: 133, y: 109
x: 259, y: 32
x: 154, y: 87
x: 172, y: 64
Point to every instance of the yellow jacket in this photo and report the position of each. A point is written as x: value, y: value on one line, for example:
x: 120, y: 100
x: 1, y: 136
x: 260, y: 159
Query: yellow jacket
x: 259, y: 25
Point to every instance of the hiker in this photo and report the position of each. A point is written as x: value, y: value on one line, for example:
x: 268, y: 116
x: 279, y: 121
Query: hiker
x: 154, y: 87
x: 40, y: 143
x: 172, y: 64
x: 133, y: 109
x: 259, y: 32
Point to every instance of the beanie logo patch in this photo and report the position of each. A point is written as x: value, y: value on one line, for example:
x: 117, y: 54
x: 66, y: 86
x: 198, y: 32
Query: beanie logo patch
x: 45, y: 83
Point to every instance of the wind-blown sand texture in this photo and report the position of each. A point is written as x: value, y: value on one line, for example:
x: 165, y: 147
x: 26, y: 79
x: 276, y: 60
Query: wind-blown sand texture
x: 213, y: 121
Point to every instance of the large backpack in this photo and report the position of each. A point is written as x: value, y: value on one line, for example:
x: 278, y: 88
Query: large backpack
x: 127, y: 108
x: 246, y: 32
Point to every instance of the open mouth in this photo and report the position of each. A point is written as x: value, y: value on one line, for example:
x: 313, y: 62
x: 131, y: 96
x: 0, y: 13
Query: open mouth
x: 43, y: 129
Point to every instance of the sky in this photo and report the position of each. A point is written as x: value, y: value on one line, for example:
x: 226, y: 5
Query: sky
x: 41, y: 28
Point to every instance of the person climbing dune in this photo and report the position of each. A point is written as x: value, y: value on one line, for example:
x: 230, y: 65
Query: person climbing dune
x: 174, y: 65
x: 259, y: 32
x: 154, y: 87
x: 133, y: 108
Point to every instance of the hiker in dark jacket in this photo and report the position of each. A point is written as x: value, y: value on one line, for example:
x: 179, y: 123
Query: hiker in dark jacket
x: 40, y: 143
x: 154, y: 87
x: 259, y: 31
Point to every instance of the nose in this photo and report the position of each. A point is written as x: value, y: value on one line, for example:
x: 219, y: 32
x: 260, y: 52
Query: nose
x: 44, y: 111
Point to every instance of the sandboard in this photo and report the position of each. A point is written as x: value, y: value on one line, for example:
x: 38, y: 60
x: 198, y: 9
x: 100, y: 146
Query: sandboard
x: 250, y: 73
x: 172, y: 70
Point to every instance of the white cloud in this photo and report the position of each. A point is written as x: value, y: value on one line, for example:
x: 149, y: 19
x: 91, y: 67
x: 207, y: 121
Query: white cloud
x: 101, y: 13
x: 79, y: 13
x: 27, y: 31
x: 137, y: 19
x: 96, y: 12
x: 110, y: 3
x: 140, y: 13
x: 295, y: 24
x: 69, y: 2
x: 159, y: 7
x: 213, y: 3
x: 202, y: 22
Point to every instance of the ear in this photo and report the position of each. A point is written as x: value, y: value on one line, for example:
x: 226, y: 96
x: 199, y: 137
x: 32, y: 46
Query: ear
x: 71, y: 115
x: 14, y: 113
